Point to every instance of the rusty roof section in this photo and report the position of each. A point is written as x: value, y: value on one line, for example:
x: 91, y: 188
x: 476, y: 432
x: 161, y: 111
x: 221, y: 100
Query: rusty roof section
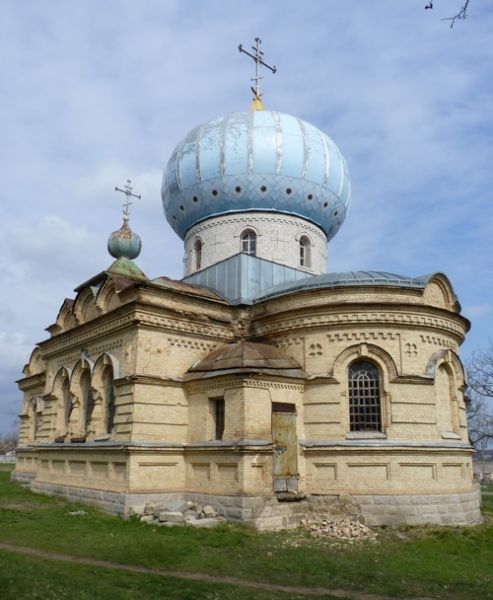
x: 245, y: 357
x: 180, y: 286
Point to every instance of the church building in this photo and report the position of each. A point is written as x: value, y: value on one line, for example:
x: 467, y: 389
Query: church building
x: 261, y: 383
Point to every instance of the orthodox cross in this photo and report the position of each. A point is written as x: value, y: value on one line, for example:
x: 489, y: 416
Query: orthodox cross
x: 128, y: 191
x: 258, y: 58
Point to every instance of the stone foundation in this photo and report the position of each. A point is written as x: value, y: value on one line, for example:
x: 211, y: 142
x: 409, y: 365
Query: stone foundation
x: 267, y: 513
x: 22, y: 477
x: 416, y: 509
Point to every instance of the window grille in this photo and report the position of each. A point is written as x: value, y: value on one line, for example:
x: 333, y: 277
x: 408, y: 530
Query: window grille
x: 364, y: 397
x: 218, y: 416
x: 249, y: 243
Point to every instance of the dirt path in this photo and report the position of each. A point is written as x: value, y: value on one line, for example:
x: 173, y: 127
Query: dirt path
x: 219, y: 579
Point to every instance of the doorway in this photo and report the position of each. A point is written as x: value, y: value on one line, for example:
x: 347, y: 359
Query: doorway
x: 285, y: 460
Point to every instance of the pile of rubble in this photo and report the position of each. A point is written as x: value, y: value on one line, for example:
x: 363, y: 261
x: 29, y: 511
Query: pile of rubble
x: 344, y: 529
x: 180, y: 513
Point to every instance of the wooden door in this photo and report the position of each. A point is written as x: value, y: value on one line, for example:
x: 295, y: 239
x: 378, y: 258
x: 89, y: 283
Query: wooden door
x: 285, y: 459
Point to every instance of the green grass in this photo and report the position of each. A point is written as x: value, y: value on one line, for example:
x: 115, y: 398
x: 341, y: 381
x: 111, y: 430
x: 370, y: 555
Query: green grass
x: 442, y: 562
x: 22, y: 578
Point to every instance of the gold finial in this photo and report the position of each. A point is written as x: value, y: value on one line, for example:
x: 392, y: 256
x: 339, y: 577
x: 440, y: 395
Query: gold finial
x: 257, y: 103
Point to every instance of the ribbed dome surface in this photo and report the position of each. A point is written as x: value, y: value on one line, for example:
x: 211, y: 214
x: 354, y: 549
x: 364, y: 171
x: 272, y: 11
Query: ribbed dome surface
x: 259, y: 160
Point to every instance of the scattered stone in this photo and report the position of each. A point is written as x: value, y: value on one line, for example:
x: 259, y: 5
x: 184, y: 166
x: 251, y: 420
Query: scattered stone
x: 77, y: 513
x: 204, y: 522
x: 171, y: 516
x: 209, y: 512
x: 343, y: 529
x: 150, y: 508
x: 177, y: 512
x: 135, y: 511
x: 147, y: 518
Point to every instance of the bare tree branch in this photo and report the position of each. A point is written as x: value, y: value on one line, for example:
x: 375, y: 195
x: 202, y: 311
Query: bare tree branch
x: 479, y: 413
x: 8, y: 442
x: 461, y: 15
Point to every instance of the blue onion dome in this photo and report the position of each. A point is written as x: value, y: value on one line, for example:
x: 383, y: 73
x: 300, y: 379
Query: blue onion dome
x: 124, y: 243
x: 256, y: 160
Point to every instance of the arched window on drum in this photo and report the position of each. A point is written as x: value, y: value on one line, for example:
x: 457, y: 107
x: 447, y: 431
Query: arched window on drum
x: 365, y: 412
x: 197, y: 249
x: 249, y: 242
x: 305, y: 252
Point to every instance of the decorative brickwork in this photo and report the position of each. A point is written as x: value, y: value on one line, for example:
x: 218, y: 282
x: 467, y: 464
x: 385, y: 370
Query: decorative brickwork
x: 278, y: 240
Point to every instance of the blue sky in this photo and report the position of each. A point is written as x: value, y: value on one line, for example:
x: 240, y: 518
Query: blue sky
x: 95, y: 92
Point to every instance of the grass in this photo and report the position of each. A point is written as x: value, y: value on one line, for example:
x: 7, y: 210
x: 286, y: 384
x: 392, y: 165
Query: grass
x: 441, y: 562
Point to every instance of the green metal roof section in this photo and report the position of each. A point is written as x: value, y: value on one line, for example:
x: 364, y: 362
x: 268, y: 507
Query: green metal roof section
x: 347, y: 279
x: 124, y: 267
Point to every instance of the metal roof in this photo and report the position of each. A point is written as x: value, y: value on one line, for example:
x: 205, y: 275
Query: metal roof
x: 241, y: 278
x: 347, y: 279
x: 245, y: 357
x: 244, y: 279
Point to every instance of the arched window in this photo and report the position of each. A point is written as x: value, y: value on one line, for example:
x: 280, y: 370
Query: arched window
x: 87, y: 398
x: 109, y: 397
x: 66, y: 404
x: 197, y: 247
x: 364, y: 397
x: 249, y: 242
x: 37, y: 420
x: 305, y: 252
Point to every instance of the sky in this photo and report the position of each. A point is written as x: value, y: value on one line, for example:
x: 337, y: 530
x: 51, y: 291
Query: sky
x: 93, y: 93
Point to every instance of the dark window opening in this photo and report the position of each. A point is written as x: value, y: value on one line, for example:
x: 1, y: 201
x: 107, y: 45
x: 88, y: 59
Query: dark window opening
x: 364, y: 397
x: 67, y: 404
x: 109, y: 391
x: 88, y: 399
x: 218, y: 416
x: 198, y: 254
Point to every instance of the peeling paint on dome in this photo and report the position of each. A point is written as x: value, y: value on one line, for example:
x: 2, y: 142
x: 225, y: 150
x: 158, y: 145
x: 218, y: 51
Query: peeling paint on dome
x: 261, y: 160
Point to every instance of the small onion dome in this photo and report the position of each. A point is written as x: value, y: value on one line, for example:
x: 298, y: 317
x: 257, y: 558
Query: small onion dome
x: 124, y: 243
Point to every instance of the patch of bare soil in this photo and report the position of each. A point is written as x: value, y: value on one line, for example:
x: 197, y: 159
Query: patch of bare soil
x: 23, y: 506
